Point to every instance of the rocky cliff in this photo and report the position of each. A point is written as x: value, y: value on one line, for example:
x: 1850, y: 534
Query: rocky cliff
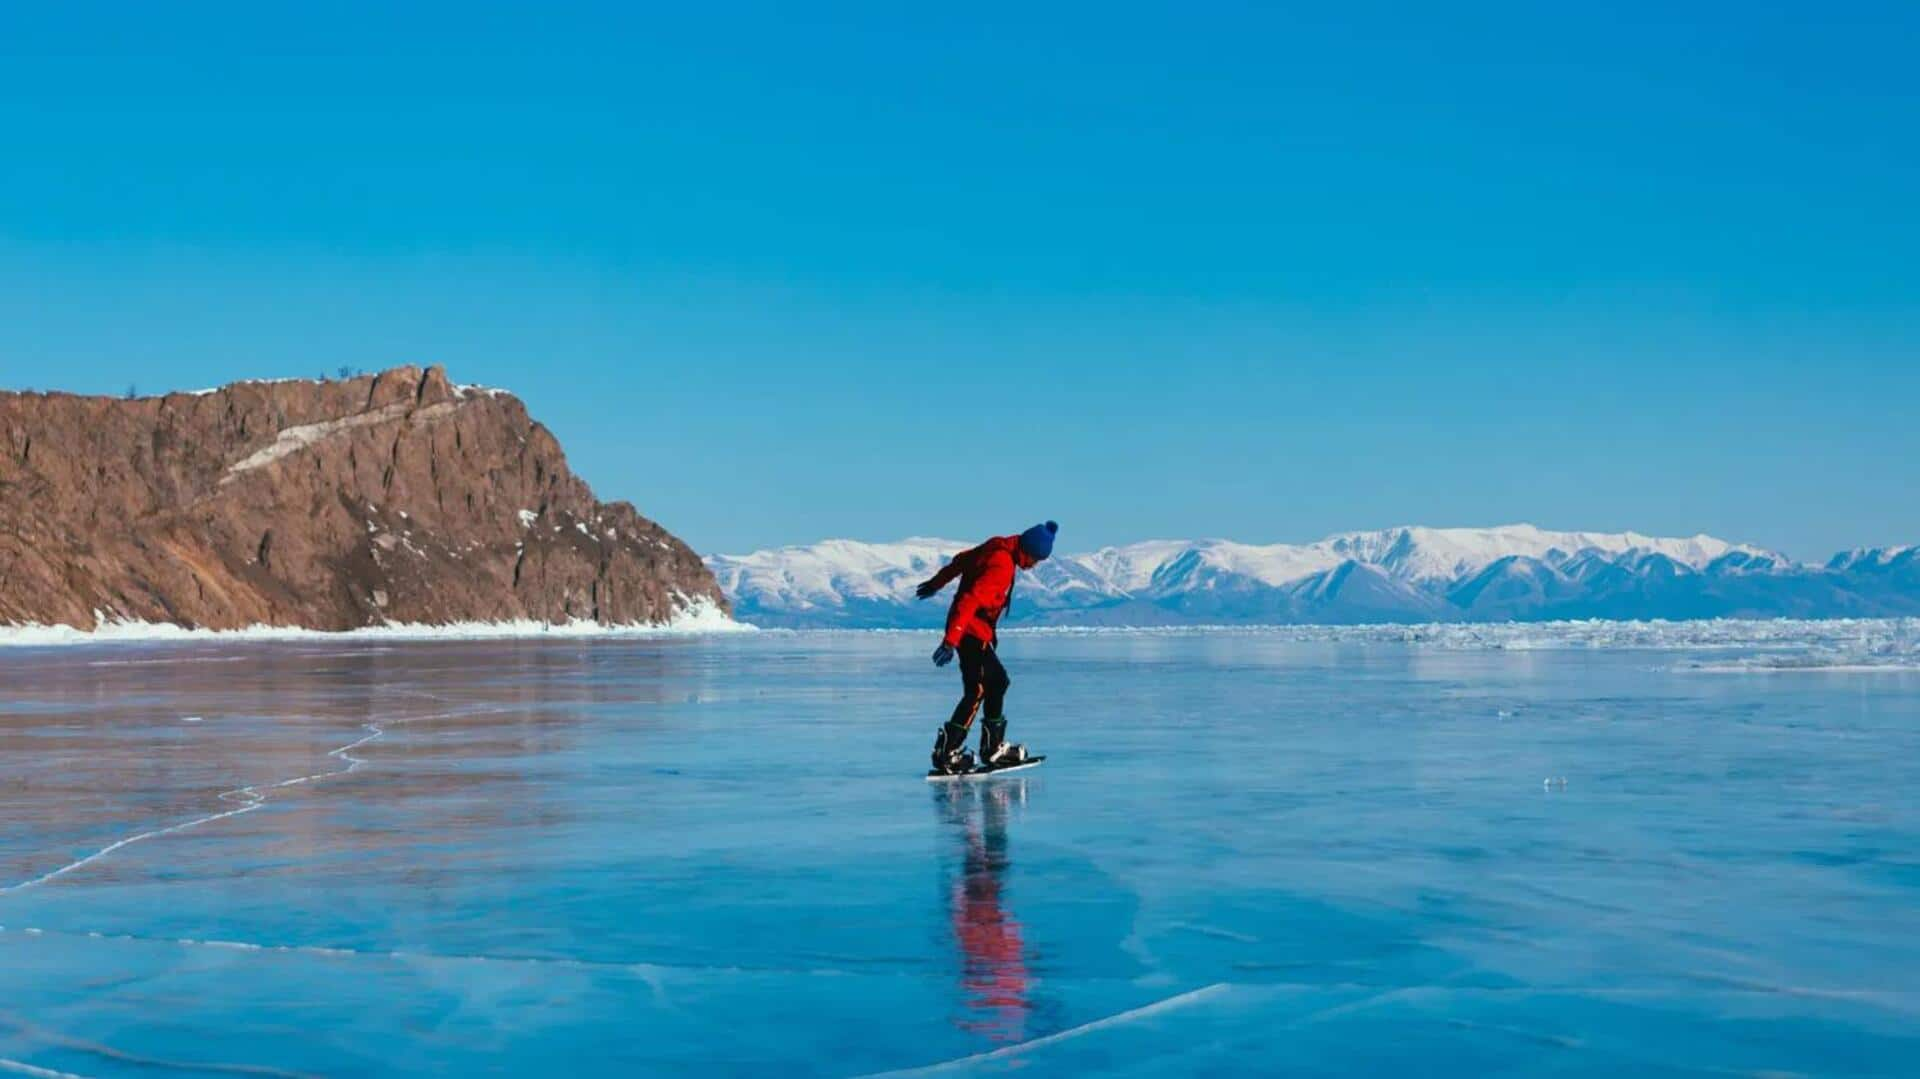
x: 396, y: 497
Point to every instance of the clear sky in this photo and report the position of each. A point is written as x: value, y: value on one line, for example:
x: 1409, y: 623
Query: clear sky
x: 1262, y: 271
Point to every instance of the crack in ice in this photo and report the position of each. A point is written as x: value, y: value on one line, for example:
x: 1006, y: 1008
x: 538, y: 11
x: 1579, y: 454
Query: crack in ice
x: 138, y: 1060
x: 646, y: 971
x: 250, y: 797
x: 1121, y: 1018
x: 18, y: 1067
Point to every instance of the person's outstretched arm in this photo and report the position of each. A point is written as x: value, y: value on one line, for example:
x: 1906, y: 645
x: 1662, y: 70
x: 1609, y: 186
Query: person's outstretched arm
x: 948, y: 572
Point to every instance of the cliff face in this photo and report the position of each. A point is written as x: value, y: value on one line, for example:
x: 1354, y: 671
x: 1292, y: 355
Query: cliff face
x: 396, y: 497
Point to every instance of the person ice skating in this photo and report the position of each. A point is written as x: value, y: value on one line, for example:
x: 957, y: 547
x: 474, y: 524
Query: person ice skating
x: 986, y: 577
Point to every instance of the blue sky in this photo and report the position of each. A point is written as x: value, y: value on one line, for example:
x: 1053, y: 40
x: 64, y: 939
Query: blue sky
x: 782, y: 272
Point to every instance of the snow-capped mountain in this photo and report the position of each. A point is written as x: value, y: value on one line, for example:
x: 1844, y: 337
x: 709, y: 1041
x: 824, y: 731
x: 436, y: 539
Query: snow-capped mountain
x: 1414, y: 574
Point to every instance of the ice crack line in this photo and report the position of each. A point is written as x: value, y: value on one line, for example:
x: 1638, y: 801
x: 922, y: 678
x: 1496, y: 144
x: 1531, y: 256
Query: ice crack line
x: 1170, y: 1004
x: 19, y: 1068
x: 120, y: 1056
x: 648, y: 971
x: 248, y: 799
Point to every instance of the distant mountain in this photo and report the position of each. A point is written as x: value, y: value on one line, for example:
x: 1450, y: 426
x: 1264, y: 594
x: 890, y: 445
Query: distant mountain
x: 1413, y: 574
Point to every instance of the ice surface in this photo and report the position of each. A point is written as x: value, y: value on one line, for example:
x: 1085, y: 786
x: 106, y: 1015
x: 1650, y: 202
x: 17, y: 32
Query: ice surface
x: 1432, y: 851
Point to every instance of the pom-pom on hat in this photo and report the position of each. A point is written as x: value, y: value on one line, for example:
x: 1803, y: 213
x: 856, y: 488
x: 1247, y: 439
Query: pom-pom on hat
x: 1038, y: 540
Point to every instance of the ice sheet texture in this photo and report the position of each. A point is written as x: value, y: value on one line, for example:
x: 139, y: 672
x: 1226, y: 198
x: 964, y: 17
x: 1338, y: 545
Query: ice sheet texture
x: 1248, y: 852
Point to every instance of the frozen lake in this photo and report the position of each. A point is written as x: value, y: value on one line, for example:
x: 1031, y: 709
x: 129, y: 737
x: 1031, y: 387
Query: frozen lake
x: 1286, y: 851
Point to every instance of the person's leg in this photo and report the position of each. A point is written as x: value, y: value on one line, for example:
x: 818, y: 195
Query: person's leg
x: 952, y: 738
x: 993, y: 684
x: 993, y: 697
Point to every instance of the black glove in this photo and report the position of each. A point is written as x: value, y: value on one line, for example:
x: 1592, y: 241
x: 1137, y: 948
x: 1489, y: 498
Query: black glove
x: 926, y: 590
x: 943, y: 655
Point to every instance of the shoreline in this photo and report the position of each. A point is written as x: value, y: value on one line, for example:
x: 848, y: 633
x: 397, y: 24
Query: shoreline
x: 696, y: 620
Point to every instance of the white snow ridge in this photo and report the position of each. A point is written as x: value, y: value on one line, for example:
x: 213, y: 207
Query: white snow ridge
x: 1409, y: 574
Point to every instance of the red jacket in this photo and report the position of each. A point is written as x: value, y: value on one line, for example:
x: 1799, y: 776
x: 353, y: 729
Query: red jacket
x: 986, y: 583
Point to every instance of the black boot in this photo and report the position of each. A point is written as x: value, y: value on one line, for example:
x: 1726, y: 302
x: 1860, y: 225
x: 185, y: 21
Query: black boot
x: 950, y: 754
x: 995, y: 750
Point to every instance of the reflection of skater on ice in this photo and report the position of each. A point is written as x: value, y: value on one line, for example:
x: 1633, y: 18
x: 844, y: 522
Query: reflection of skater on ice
x: 995, y: 985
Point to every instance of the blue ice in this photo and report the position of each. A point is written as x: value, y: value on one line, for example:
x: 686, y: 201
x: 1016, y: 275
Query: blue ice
x: 1248, y: 852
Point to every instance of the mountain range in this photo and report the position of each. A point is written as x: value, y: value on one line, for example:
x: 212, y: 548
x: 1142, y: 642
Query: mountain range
x: 1408, y: 574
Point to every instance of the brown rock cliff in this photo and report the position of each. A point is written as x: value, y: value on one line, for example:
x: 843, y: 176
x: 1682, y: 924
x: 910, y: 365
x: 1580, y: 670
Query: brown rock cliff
x: 396, y: 497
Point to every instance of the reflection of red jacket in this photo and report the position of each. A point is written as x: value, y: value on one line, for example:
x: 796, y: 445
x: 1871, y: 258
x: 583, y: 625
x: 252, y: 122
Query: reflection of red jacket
x: 993, y: 956
x: 986, y: 582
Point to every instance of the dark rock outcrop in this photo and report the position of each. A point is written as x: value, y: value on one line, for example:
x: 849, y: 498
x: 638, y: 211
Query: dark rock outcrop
x: 396, y: 497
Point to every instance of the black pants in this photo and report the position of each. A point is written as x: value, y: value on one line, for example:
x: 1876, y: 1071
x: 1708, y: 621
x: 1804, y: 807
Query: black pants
x: 986, y: 685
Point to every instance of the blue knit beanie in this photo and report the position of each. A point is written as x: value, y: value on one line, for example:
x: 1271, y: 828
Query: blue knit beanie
x: 1038, y: 540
